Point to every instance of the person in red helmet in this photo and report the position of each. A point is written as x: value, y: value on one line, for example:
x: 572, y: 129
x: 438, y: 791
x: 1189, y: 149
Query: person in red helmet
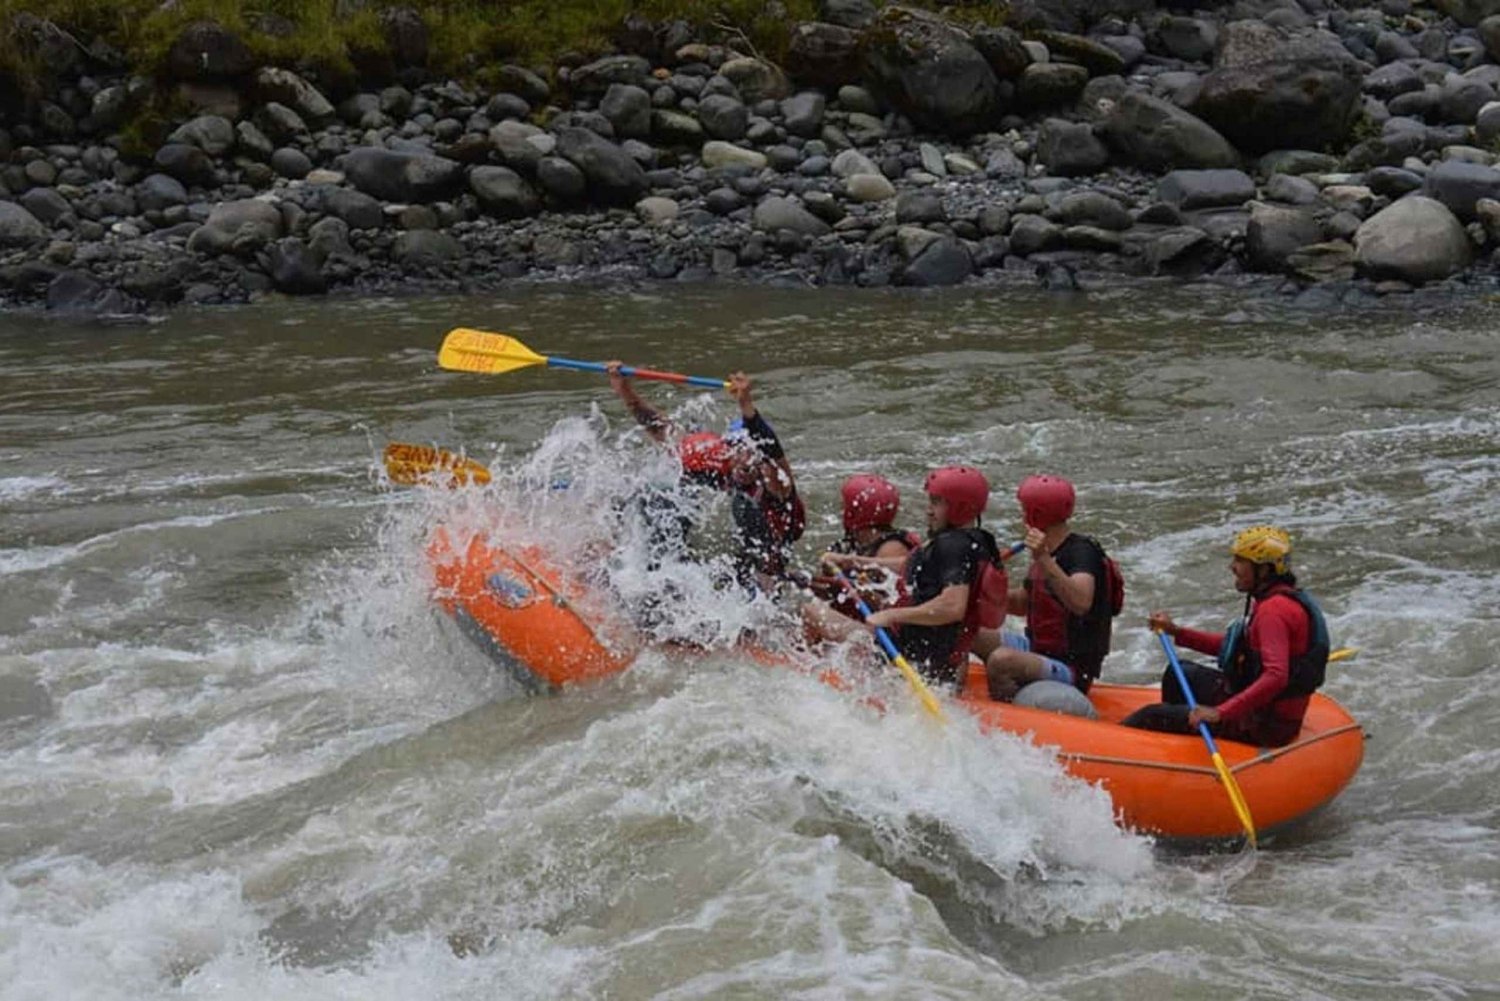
x: 936, y: 620
x: 870, y: 505
x: 1066, y: 598
x: 749, y: 463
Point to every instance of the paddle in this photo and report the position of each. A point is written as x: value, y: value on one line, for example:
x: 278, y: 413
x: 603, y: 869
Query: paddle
x: 1342, y: 653
x: 1236, y: 798
x: 467, y: 350
x: 918, y: 686
x: 410, y: 465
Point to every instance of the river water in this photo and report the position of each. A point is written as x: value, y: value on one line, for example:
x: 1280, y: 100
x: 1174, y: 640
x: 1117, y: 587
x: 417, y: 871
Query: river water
x: 242, y: 757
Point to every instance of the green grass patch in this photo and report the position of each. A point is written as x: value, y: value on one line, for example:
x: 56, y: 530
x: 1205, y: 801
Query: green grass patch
x: 465, y: 35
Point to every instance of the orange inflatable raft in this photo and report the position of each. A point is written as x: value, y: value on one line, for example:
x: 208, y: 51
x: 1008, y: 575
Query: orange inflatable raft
x: 526, y: 615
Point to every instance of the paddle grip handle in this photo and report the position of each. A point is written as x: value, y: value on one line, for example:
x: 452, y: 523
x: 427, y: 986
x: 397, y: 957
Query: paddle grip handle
x: 631, y: 371
x: 1187, y: 691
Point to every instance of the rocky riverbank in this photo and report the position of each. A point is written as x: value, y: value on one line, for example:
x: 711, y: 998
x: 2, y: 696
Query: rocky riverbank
x: 1348, y: 149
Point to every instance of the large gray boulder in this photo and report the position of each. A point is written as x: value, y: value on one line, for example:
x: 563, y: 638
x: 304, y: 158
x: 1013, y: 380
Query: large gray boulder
x: 823, y: 55
x: 597, y: 76
x: 286, y: 87
x: 628, y: 109
x: 425, y: 248
x: 1157, y: 135
x: 723, y: 117
x: 503, y: 192
x: 755, y: 79
x: 521, y: 145
x: 614, y: 177
x: 945, y: 261
x: 19, y: 228
x: 240, y: 227
x: 1275, y: 232
x: 205, y: 50
x: 777, y: 212
x: 1301, y: 92
x: 930, y: 71
x: 1458, y: 185
x: 355, y: 209
x: 1415, y: 240
x: 1070, y: 149
x: 395, y: 176
x: 1198, y: 189
x: 210, y: 133
x: 295, y: 268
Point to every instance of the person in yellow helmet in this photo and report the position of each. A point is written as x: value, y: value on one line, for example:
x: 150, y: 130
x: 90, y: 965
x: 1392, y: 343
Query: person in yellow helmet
x: 1270, y: 661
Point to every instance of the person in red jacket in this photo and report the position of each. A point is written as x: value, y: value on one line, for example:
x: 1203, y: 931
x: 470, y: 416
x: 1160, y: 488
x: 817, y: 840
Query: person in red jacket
x: 1269, y: 662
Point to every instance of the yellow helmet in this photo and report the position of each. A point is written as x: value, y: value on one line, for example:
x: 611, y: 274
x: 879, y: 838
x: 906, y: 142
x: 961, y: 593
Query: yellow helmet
x: 1264, y: 544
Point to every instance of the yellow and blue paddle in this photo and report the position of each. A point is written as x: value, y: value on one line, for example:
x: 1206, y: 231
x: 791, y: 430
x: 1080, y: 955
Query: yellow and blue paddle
x: 1236, y: 798
x: 894, y: 655
x: 466, y: 350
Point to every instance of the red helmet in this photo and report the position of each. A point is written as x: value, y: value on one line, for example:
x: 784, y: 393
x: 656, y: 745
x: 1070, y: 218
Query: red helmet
x: 1045, y: 500
x: 704, y: 454
x: 869, y: 501
x: 963, y: 487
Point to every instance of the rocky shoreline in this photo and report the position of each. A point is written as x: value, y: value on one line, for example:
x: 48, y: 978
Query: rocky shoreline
x: 1350, y: 151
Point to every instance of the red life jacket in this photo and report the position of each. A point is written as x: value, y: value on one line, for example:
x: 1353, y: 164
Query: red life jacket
x: 1047, y: 619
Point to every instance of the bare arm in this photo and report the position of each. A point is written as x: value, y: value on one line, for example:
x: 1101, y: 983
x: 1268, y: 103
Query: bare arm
x: 947, y: 608
x: 653, y: 420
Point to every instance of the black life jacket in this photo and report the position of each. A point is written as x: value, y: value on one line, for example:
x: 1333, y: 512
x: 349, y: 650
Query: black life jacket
x: 1241, y: 663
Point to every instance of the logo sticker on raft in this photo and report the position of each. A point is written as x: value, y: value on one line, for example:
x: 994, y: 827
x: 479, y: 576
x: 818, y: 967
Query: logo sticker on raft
x: 508, y: 591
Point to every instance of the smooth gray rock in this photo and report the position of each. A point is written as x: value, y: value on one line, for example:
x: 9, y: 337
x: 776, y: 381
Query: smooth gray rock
x: 188, y: 164
x: 723, y: 117
x: 628, y: 109
x: 19, y: 228
x: 777, y: 213
x: 1070, y: 149
x: 614, y: 178
x: 561, y: 179
x: 503, y: 192
x: 239, y: 227
x: 946, y: 261
x: 46, y: 205
x: 1092, y: 208
x: 803, y: 113
x: 425, y: 248
x: 1157, y: 135
x: 931, y: 72
x: 210, y: 133
x: 519, y: 145
x: 1459, y: 185
x: 1275, y: 232
x: 1414, y: 240
x: 291, y: 163
x: 1195, y: 189
x: 395, y: 176
x: 287, y: 88
x: 355, y: 209
x: 295, y: 268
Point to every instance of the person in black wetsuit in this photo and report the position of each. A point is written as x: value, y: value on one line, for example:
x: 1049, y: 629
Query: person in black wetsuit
x: 935, y: 622
x: 749, y: 463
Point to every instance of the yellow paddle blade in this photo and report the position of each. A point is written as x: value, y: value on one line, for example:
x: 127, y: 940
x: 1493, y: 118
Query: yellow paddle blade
x: 1236, y: 798
x: 466, y: 350
x: 1342, y: 653
x: 924, y: 694
x: 410, y: 465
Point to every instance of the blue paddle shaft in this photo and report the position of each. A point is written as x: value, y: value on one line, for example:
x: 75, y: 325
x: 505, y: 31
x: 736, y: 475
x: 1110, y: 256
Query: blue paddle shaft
x: 631, y: 370
x: 1187, y: 690
x: 881, y: 635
